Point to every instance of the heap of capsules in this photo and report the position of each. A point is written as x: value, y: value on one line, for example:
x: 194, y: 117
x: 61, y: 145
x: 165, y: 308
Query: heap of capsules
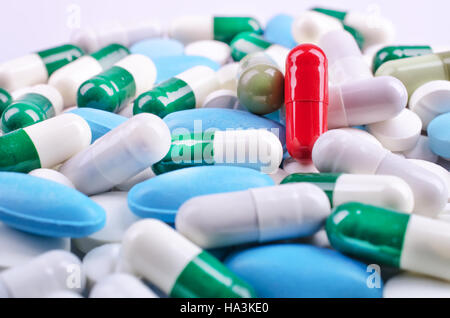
x: 319, y: 168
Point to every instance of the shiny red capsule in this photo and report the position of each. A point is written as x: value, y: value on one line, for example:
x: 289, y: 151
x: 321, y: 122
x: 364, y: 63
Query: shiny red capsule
x: 306, y: 99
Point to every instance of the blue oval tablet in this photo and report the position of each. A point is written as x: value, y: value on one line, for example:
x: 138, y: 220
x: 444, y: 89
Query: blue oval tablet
x: 161, y: 196
x: 44, y: 207
x: 158, y: 47
x: 439, y: 135
x: 278, y: 31
x: 297, y: 270
x: 169, y: 66
x: 99, y: 121
x: 200, y: 119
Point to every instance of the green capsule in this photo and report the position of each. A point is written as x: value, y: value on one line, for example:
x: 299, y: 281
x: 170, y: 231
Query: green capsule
x: 57, y: 57
x: 359, y: 38
x: 226, y: 28
x: 247, y: 42
x: 340, y: 15
x: 110, y: 54
x: 18, y: 152
x: 325, y: 181
x: 5, y: 100
x: 390, y: 53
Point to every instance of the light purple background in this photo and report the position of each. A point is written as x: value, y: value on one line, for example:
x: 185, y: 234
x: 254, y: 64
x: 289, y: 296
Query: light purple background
x: 30, y: 25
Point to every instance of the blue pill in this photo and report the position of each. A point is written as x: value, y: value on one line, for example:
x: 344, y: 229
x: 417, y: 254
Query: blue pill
x: 278, y: 31
x: 439, y: 135
x: 169, y: 66
x: 99, y: 121
x: 44, y: 207
x: 200, y: 119
x: 158, y: 47
x: 297, y: 270
x: 161, y: 196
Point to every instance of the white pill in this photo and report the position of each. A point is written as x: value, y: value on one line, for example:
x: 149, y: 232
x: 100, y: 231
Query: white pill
x: 362, y: 134
x: 52, y: 175
x: 227, y: 76
x: 430, y: 100
x: 127, y: 111
x: 278, y: 175
x: 399, y: 133
x: 216, y: 51
x: 121, y: 285
x: 290, y: 165
x: 409, y: 285
x: 310, y: 26
x: 442, y: 173
x: 64, y: 294
x: 100, y: 262
x: 118, y: 219
x: 421, y: 151
x: 223, y: 98
x: 17, y: 247
x: 140, y: 177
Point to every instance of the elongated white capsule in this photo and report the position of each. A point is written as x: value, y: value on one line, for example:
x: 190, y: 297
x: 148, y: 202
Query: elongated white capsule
x: 48, y: 273
x: 178, y: 267
x: 409, y: 285
x: 339, y: 151
x: 121, y: 286
x: 255, y: 215
x: 310, y: 26
x: 119, y: 155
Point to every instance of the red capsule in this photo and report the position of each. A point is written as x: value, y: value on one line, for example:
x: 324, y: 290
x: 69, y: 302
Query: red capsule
x: 306, y: 99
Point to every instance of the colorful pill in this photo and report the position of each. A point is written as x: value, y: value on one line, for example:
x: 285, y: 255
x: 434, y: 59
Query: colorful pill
x: 389, y: 53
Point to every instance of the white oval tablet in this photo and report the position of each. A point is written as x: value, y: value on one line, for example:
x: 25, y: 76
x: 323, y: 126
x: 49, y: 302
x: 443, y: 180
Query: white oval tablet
x: 436, y: 169
x: 408, y: 285
x: 290, y: 165
x: 100, y: 262
x: 430, y: 100
x: 52, y: 175
x: 118, y: 219
x: 399, y: 133
x: 216, y: 51
x: 421, y: 151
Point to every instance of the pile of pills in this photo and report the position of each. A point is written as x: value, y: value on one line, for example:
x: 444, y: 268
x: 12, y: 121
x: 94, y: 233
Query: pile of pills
x: 220, y: 158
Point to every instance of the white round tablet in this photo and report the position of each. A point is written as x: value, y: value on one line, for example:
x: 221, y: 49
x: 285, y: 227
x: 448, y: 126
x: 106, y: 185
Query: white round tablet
x: 118, y: 219
x: 52, y: 175
x: 421, y: 151
x: 399, y: 133
x: 430, y: 100
x: 436, y: 169
x: 101, y: 262
x: 216, y: 51
x: 290, y: 165
x: 408, y: 285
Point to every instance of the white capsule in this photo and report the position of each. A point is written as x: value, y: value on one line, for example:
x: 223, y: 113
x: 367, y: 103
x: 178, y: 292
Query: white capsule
x: 48, y: 273
x: 64, y: 294
x: 202, y: 80
x: 339, y: 151
x: 366, y: 101
x: 188, y: 29
x: 94, y: 38
x: 421, y: 150
x: 119, y: 155
x: 255, y: 215
x: 216, y: 51
x: 430, y: 100
x: 362, y: 134
x: 410, y: 285
x: 118, y: 219
x: 121, y: 286
x: 101, y: 262
x: 310, y: 26
x: 345, y: 60
x: 24, y: 71
x: 52, y: 175
x: 279, y: 55
x: 399, y: 133
x: 439, y: 171
x: 227, y: 76
x: 18, y: 247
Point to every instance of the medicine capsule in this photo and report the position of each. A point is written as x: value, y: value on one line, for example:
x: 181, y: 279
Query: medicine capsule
x: 418, y: 70
x: 345, y: 60
x: 374, y: 28
x: 389, y: 53
x: 45, y: 144
x: 178, y: 267
x: 407, y: 241
x: 386, y: 191
x: 195, y: 28
x: 114, y: 88
x: 94, y: 38
x: 339, y: 151
x: 255, y: 215
x: 120, y: 285
x: 366, y: 101
x: 69, y: 78
x: 252, y: 148
x: 119, y: 154
x: 38, y: 103
x: 261, y: 87
x: 187, y: 90
x: 5, y: 100
x: 46, y: 274
x: 36, y: 68
x: 306, y: 98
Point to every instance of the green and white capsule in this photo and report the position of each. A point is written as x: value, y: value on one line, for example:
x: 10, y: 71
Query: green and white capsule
x: 195, y: 28
x: 5, y: 100
x: 36, y: 104
x: 252, y: 148
x: 153, y: 250
x: 69, y: 78
x: 381, y: 190
x: 186, y: 90
x: 114, y: 88
x: 36, y: 68
x: 389, y: 53
x: 45, y: 144
x: 386, y: 237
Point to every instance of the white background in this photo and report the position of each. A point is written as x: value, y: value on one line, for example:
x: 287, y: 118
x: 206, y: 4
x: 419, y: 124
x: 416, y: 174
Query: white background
x: 30, y: 25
